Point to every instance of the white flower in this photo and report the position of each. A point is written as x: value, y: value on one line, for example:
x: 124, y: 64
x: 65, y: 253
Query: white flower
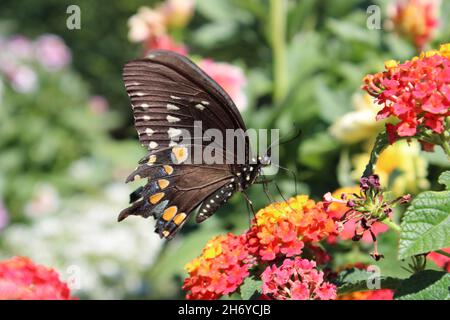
x: 110, y: 258
x: 360, y: 124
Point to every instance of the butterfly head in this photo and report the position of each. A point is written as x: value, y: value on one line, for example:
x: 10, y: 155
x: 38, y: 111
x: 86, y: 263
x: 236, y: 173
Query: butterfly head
x: 264, y: 161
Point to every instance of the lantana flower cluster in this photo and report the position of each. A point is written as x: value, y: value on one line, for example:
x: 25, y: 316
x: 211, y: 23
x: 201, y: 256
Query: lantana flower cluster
x: 296, y: 279
x: 416, y: 93
x: 220, y: 270
x: 416, y: 20
x: 282, y: 228
x: 22, y: 279
x: 269, y: 251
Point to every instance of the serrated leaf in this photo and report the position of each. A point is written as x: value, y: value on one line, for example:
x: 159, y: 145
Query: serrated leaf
x: 444, y: 179
x: 353, y: 280
x: 426, y: 224
x: 250, y: 288
x: 425, y: 285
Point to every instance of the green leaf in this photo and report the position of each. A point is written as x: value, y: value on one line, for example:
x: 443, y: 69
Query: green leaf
x: 211, y: 34
x: 351, y: 31
x: 437, y: 157
x: 250, y: 288
x: 426, y: 224
x: 444, y: 179
x: 331, y: 104
x: 353, y: 280
x: 425, y: 285
x: 312, y: 152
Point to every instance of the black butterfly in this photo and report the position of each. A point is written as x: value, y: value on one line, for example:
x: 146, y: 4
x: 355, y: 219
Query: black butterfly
x: 168, y: 93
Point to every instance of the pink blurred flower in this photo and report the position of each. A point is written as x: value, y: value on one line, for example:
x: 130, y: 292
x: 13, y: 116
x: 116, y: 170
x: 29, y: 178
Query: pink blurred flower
x: 23, y: 79
x: 164, y: 42
x: 98, y: 104
x: 177, y: 12
x: 51, y: 52
x: 45, y: 199
x: 146, y: 24
x: 19, y: 47
x: 229, y: 77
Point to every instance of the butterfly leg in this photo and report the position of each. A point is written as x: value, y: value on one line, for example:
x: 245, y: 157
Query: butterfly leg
x: 249, y: 202
x: 266, y: 191
x: 265, y: 183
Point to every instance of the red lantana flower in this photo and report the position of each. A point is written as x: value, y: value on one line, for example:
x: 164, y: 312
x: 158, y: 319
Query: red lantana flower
x: 220, y: 270
x: 416, y: 93
x: 21, y: 279
x: 440, y: 260
x: 296, y: 279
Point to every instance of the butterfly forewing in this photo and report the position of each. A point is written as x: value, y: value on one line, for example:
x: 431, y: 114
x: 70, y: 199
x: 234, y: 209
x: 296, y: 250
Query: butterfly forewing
x: 169, y: 94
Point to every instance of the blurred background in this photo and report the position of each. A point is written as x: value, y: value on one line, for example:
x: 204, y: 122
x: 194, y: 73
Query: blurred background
x: 67, y: 140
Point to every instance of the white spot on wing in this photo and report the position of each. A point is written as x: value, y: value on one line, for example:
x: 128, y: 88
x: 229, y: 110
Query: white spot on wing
x: 200, y: 106
x: 172, y: 107
x: 149, y: 131
x: 173, y: 132
x: 172, y: 119
x: 153, y: 145
x: 175, y: 97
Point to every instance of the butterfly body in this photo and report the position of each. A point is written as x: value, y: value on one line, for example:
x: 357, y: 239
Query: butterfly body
x: 173, y: 99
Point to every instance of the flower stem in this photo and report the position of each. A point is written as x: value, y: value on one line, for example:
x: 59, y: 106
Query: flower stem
x: 391, y: 224
x: 443, y: 253
x: 278, y: 38
x: 445, y: 144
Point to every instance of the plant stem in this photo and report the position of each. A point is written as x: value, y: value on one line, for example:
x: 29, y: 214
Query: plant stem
x: 278, y: 38
x: 391, y: 224
x: 443, y: 253
x: 445, y: 144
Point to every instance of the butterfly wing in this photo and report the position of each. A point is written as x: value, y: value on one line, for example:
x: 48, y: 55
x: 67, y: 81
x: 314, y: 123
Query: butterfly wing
x: 170, y: 95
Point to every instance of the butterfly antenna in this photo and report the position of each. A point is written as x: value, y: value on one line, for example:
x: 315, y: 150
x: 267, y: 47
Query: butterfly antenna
x: 296, y: 134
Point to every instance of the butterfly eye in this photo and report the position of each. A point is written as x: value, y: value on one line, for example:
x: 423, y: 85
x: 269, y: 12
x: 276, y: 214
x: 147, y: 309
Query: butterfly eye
x: 265, y: 161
